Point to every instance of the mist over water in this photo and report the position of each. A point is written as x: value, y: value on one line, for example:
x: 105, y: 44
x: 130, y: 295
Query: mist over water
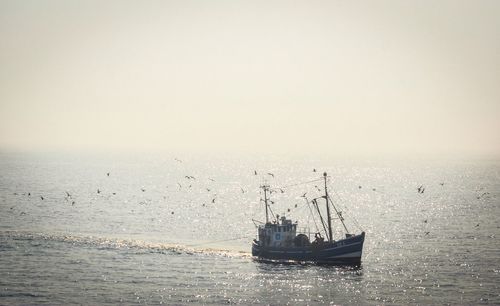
x: 223, y: 80
x: 148, y: 234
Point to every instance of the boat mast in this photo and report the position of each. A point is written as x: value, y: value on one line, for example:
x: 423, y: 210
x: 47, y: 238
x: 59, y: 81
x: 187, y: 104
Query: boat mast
x: 265, y: 187
x: 328, y: 210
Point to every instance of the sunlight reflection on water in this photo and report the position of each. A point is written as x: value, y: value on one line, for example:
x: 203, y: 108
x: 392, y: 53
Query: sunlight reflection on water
x: 152, y: 235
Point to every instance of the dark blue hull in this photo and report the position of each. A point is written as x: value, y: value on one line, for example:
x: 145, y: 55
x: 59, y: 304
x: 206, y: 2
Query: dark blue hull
x: 343, y: 252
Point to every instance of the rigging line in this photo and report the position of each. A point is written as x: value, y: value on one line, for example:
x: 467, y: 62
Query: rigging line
x: 299, y: 210
x: 274, y: 216
x: 349, y: 212
x: 312, y: 214
x: 356, y: 223
x: 338, y: 214
x: 307, y: 224
x: 315, y: 203
x: 297, y: 184
x: 304, y: 210
x: 215, y: 241
x: 344, y: 209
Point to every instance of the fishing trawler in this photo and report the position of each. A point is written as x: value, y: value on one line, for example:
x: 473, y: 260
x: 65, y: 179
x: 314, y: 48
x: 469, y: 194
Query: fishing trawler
x: 280, y: 240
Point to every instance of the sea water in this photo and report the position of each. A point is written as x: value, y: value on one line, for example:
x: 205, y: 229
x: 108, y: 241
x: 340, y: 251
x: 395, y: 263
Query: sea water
x: 164, y: 229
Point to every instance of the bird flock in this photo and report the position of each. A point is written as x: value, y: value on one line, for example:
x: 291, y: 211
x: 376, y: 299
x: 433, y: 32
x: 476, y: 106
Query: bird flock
x: 190, y: 179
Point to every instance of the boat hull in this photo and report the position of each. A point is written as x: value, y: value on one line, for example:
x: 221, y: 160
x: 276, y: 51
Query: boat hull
x: 342, y: 252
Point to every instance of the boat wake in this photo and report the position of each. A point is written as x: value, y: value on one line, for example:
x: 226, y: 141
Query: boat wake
x: 126, y: 244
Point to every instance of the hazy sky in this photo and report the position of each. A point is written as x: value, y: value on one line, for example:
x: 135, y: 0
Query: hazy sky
x: 334, y: 77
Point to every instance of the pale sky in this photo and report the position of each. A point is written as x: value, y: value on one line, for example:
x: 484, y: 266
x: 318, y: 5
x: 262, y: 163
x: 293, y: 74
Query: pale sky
x: 334, y: 77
